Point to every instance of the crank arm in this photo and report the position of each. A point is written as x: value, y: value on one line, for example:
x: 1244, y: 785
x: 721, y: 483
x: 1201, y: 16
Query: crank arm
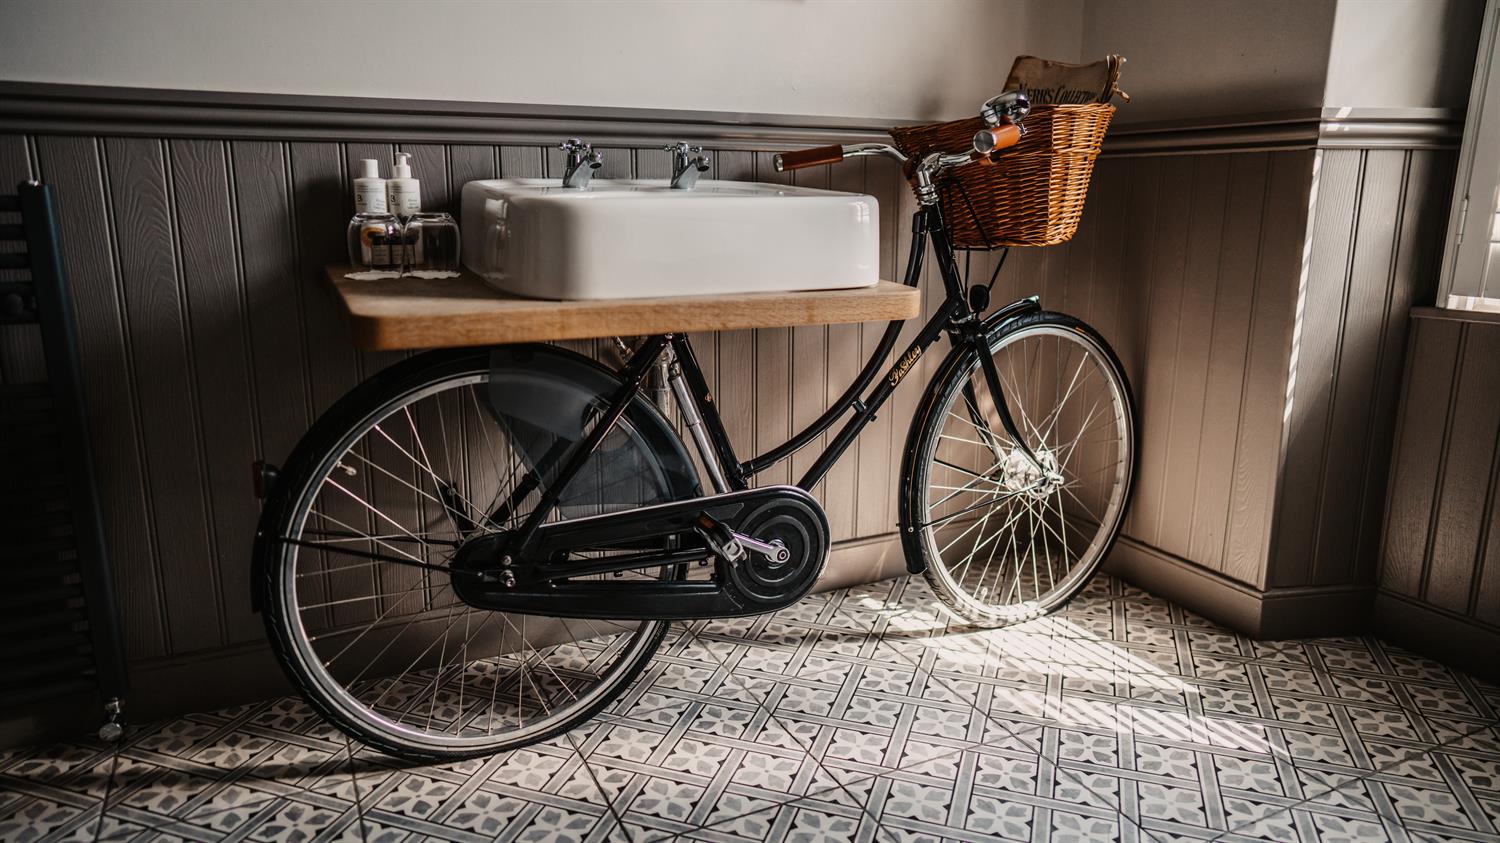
x: 730, y: 545
x: 772, y: 551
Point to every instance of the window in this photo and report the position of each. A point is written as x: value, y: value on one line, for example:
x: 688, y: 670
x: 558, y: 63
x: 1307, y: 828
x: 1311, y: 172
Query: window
x: 1471, y: 260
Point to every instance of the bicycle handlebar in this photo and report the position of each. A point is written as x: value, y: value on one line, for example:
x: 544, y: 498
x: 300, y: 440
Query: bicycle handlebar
x: 818, y: 155
x: 992, y: 139
x: 1003, y: 129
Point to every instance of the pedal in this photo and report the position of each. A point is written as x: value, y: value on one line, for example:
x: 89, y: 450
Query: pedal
x: 719, y: 538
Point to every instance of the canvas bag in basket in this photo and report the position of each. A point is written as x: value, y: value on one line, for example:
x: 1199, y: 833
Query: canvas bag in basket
x: 1031, y: 194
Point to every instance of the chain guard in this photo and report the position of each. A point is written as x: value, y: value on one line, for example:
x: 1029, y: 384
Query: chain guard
x: 748, y: 586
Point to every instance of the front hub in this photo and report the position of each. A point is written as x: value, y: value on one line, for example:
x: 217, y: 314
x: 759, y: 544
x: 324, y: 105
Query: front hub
x: 1018, y: 474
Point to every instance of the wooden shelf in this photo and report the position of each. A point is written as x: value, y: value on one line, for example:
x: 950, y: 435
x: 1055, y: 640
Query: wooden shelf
x: 402, y: 313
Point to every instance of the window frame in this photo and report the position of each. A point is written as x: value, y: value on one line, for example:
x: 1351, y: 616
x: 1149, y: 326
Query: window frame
x: 1462, y: 284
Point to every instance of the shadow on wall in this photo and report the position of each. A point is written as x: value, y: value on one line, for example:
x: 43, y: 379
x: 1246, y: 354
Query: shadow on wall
x: 1213, y: 57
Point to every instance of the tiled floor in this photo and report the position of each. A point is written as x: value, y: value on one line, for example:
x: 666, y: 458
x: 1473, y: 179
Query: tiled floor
x: 857, y: 715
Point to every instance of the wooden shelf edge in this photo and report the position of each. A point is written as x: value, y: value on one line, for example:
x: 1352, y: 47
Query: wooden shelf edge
x: 410, y: 314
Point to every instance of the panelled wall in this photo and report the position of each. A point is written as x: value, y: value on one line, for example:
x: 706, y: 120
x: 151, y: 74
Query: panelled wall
x: 1198, y: 298
x: 1374, y: 252
x: 208, y: 339
x: 1259, y: 301
x: 1439, y: 583
x: 194, y: 244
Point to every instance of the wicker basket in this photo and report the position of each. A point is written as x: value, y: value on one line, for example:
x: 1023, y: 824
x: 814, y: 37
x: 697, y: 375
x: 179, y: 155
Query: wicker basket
x: 1033, y: 194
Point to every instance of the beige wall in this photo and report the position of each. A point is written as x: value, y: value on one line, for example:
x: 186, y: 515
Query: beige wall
x: 1193, y: 58
x: 1403, y: 53
x: 898, y: 59
x: 1189, y: 58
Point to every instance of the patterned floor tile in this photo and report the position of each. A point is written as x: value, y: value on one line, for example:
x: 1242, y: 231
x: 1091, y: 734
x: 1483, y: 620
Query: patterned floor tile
x: 864, y: 715
x: 293, y: 821
x: 1059, y: 643
x: 33, y: 819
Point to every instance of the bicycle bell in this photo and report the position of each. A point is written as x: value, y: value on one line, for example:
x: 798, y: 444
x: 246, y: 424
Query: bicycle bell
x: 1012, y: 105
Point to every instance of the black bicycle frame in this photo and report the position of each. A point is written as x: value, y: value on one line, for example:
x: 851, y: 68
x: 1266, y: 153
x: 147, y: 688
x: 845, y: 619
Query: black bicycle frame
x: 954, y: 316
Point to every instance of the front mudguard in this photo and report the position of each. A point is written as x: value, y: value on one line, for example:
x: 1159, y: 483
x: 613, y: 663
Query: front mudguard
x: 959, y: 359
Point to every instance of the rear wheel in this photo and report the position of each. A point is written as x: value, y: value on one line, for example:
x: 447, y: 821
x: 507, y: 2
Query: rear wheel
x: 1002, y: 537
x: 355, y: 544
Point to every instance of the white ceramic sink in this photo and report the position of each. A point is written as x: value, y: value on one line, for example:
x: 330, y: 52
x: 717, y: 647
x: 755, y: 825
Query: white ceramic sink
x: 635, y: 238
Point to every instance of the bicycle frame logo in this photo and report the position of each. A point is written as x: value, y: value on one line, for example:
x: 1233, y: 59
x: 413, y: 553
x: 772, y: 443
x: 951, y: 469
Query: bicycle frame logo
x: 904, y: 365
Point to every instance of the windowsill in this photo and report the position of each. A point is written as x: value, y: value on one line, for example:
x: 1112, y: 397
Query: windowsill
x: 1460, y: 314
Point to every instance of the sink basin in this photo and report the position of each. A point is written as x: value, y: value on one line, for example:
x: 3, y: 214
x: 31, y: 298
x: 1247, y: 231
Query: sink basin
x: 637, y: 238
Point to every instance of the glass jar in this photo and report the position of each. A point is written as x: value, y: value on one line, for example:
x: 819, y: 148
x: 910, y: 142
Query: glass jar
x: 375, y: 242
x: 430, y: 242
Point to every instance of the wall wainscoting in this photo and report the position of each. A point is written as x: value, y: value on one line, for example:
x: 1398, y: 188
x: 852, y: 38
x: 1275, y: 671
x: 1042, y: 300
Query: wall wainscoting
x: 208, y: 339
x: 196, y: 226
x: 1272, y: 613
x: 1259, y: 301
x: 1440, y: 558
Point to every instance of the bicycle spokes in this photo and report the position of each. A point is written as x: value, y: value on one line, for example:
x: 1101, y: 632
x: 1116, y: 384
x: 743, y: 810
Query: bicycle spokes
x: 1015, y: 515
x: 365, y: 593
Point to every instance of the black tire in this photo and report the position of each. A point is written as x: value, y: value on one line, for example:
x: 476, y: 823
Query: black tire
x: 309, y: 462
x: 946, y: 387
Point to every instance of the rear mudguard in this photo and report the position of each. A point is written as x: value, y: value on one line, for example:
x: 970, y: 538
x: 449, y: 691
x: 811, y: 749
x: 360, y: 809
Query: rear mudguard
x: 546, y: 398
x: 567, y: 372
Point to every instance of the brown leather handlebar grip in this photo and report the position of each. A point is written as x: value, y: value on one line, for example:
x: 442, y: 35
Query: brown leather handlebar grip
x: 831, y: 154
x: 995, y: 138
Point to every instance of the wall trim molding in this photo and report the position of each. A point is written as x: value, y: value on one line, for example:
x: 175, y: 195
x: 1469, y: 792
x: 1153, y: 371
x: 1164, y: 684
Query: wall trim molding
x: 1463, y: 642
x: 1277, y: 613
x: 1312, y: 128
x: 232, y: 675
x: 47, y: 108
x: 209, y: 679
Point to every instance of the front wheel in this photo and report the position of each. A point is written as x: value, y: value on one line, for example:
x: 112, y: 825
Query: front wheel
x: 1000, y: 536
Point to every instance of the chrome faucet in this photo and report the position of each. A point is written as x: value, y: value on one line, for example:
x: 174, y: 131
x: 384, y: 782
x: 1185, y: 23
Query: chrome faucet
x: 582, y: 161
x: 688, y: 162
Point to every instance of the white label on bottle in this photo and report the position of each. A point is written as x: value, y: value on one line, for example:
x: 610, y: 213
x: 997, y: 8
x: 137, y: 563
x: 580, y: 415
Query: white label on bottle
x: 369, y: 200
x: 403, y: 199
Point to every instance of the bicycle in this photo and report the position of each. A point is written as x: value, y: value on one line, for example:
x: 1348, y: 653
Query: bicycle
x: 478, y: 549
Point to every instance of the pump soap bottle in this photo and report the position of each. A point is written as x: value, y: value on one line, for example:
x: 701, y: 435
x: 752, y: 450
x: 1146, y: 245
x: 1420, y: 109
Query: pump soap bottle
x: 369, y: 189
x: 403, y: 193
